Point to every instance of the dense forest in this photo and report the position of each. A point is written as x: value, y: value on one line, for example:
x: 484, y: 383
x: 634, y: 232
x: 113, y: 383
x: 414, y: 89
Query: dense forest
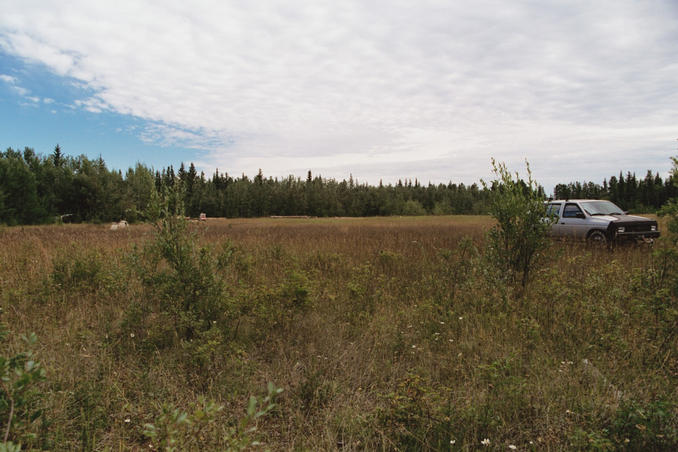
x: 38, y: 189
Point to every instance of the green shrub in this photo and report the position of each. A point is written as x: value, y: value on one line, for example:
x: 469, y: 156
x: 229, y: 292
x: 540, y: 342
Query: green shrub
x: 20, y: 395
x: 184, y: 295
x: 521, y: 231
x: 413, y: 208
x: 202, y: 428
x: 649, y: 426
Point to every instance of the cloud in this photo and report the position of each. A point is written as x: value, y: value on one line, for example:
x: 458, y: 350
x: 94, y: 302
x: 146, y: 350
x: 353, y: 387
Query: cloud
x: 382, y: 89
x: 14, y: 86
x: 8, y: 79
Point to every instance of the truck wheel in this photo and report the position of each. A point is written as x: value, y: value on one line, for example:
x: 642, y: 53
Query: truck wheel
x: 597, y: 238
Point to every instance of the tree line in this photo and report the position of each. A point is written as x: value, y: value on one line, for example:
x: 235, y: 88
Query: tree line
x: 38, y: 189
x: 629, y: 192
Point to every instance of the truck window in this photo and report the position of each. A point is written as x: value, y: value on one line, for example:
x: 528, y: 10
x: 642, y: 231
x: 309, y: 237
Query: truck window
x: 571, y: 211
x: 553, y: 209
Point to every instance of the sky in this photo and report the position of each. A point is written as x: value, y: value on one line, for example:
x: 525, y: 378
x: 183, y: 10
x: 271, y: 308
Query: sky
x: 380, y: 90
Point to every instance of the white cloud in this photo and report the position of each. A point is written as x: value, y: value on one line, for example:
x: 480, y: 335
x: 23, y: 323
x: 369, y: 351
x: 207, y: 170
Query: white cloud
x: 12, y: 82
x: 383, y: 89
x: 8, y: 79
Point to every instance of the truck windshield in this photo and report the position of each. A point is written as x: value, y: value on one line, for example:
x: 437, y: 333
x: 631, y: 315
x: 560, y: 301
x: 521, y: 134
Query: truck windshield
x: 601, y: 208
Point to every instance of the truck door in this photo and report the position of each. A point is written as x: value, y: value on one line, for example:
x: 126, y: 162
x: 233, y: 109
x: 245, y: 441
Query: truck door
x: 553, y: 213
x: 572, y: 222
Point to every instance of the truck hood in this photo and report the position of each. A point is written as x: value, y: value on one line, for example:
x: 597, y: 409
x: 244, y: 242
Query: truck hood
x: 627, y: 218
x: 621, y: 218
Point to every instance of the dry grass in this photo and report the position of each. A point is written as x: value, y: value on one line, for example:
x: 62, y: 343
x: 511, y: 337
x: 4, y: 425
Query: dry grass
x: 386, y: 334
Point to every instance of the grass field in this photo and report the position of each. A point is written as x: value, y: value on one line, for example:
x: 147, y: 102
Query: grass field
x: 384, y: 334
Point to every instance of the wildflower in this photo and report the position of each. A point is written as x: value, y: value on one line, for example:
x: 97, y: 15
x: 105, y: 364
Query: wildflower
x: 512, y: 447
x: 452, y: 441
x: 485, y: 442
x: 414, y: 346
x: 128, y: 420
x: 131, y: 334
x: 461, y: 318
x: 442, y: 323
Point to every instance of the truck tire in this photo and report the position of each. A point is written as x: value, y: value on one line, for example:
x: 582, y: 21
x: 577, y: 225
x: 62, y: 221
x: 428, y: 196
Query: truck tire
x: 597, y: 237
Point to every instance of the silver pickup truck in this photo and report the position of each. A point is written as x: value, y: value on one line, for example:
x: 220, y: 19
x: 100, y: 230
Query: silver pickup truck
x: 598, y: 221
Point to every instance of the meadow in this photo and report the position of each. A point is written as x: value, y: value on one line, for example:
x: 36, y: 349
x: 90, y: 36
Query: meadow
x: 383, y: 334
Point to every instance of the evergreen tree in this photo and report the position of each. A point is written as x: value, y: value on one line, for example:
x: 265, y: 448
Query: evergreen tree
x: 57, y: 157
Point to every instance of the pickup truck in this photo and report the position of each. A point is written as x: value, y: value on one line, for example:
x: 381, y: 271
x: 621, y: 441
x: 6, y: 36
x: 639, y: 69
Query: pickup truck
x: 598, y: 221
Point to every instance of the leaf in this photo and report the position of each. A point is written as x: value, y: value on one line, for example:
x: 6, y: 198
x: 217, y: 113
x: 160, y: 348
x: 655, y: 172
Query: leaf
x: 182, y: 418
x: 252, y: 406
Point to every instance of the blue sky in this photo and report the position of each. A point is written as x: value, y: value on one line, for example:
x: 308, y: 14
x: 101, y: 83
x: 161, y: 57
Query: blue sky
x: 381, y: 90
x: 38, y: 109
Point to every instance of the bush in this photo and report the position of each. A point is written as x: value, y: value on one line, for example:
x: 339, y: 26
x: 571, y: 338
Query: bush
x: 413, y: 208
x: 521, y: 230
x: 19, y: 395
x: 184, y: 293
x: 202, y: 428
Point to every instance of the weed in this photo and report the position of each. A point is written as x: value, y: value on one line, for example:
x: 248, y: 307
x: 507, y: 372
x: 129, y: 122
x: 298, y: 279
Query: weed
x: 74, y: 270
x: 201, y: 427
x: 20, y: 394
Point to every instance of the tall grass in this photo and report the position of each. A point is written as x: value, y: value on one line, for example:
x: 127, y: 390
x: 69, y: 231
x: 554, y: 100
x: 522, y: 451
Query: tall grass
x: 386, y: 334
